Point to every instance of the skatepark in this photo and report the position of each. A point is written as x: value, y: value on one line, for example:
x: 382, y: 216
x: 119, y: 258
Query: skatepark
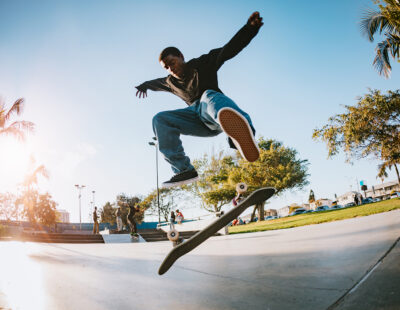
x: 349, y: 264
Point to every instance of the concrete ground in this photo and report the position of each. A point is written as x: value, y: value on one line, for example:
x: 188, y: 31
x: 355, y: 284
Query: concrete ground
x: 350, y: 264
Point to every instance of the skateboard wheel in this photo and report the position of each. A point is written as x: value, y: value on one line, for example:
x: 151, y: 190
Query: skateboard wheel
x: 241, y: 188
x: 173, y: 235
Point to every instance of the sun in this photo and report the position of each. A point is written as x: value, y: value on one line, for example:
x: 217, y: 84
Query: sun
x: 14, y: 161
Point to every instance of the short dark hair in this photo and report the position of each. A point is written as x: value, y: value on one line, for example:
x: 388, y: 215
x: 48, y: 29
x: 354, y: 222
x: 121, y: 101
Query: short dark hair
x: 169, y: 51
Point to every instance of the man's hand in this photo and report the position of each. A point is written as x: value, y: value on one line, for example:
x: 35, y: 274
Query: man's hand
x: 141, y: 93
x: 255, y: 20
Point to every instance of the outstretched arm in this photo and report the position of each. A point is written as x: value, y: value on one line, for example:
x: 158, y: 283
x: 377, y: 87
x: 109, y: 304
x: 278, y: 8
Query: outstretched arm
x: 155, y: 85
x: 239, y: 41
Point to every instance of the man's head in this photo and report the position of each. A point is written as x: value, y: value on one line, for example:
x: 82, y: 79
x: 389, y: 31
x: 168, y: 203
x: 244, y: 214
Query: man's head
x: 95, y: 208
x: 172, y: 60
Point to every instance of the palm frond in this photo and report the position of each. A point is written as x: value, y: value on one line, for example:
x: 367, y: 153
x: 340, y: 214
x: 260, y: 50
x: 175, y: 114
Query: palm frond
x: 382, y: 170
x: 374, y: 21
x: 32, y: 177
x: 394, y: 40
x: 42, y: 170
x: 23, y: 126
x: 18, y: 129
x: 16, y: 108
x: 11, y: 131
x: 381, y: 61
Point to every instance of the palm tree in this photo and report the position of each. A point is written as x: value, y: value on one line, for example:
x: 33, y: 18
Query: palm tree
x: 386, y: 22
x: 16, y: 128
x: 382, y: 173
x: 29, y: 197
x: 31, y: 177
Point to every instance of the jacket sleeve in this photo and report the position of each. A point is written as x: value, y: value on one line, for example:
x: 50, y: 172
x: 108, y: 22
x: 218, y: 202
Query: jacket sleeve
x: 240, y: 40
x: 155, y: 85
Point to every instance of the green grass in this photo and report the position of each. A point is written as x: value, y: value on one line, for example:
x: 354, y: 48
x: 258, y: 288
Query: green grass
x: 318, y: 217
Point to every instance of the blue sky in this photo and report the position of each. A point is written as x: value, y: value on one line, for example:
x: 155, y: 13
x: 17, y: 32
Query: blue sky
x: 76, y: 63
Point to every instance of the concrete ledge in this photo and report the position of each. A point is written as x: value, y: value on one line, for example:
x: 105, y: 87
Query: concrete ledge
x: 121, y: 238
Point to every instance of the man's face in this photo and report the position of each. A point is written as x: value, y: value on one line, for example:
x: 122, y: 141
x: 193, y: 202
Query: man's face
x: 174, y: 65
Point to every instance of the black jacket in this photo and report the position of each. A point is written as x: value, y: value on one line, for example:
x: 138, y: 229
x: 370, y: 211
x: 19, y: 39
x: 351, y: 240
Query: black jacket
x: 203, y: 70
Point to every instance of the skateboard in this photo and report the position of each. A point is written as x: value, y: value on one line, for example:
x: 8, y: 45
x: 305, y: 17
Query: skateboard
x: 181, y: 249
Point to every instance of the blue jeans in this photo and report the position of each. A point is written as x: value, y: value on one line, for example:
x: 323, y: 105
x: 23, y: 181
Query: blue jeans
x: 199, y: 119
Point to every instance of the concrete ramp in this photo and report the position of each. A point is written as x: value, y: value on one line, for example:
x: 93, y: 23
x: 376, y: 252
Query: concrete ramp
x: 311, y: 267
x: 121, y: 238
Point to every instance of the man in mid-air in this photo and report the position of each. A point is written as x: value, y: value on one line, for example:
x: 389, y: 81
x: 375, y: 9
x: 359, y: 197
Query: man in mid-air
x: 209, y: 111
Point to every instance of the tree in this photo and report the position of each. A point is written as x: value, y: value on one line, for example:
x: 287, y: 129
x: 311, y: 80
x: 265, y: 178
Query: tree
x: 7, y: 207
x: 125, y: 201
x: 29, y: 201
x: 213, y: 188
x: 38, y: 208
x: 388, y: 164
x: 31, y: 178
x: 45, y: 211
x: 311, y: 197
x: 278, y: 167
x: 168, y: 198
x: 16, y: 128
x: 370, y: 128
x: 386, y: 21
x: 107, y: 214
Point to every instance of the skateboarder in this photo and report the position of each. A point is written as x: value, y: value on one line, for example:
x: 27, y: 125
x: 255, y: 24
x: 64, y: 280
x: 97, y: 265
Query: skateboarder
x: 209, y: 111
x: 131, y: 220
x: 172, y: 220
x: 118, y: 214
x: 179, y: 216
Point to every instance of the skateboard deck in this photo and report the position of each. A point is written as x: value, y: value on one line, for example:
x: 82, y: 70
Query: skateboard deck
x: 256, y: 197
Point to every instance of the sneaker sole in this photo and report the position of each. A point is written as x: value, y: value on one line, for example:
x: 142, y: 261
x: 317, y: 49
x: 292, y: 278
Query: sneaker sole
x: 169, y: 185
x: 238, y: 129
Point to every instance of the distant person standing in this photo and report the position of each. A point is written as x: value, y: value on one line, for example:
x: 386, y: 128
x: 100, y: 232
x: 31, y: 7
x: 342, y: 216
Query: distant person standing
x: 356, y: 200
x: 119, y: 219
x: 131, y: 219
x: 95, y: 221
x: 179, y: 216
x: 172, y: 220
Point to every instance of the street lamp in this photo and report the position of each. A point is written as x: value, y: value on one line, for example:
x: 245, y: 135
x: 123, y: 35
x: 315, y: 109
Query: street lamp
x: 158, y: 191
x: 92, y: 203
x: 79, y: 187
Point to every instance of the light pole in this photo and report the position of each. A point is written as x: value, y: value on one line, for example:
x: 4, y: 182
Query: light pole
x: 93, y: 203
x: 158, y: 191
x: 79, y: 187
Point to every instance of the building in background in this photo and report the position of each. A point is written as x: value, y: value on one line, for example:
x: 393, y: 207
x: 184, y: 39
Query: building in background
x: 383, y: 190
x: 349, y: 197
x: 62, y: 216
x: 285, y: 211
x: 321, y: 202
x: 270, y: 212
